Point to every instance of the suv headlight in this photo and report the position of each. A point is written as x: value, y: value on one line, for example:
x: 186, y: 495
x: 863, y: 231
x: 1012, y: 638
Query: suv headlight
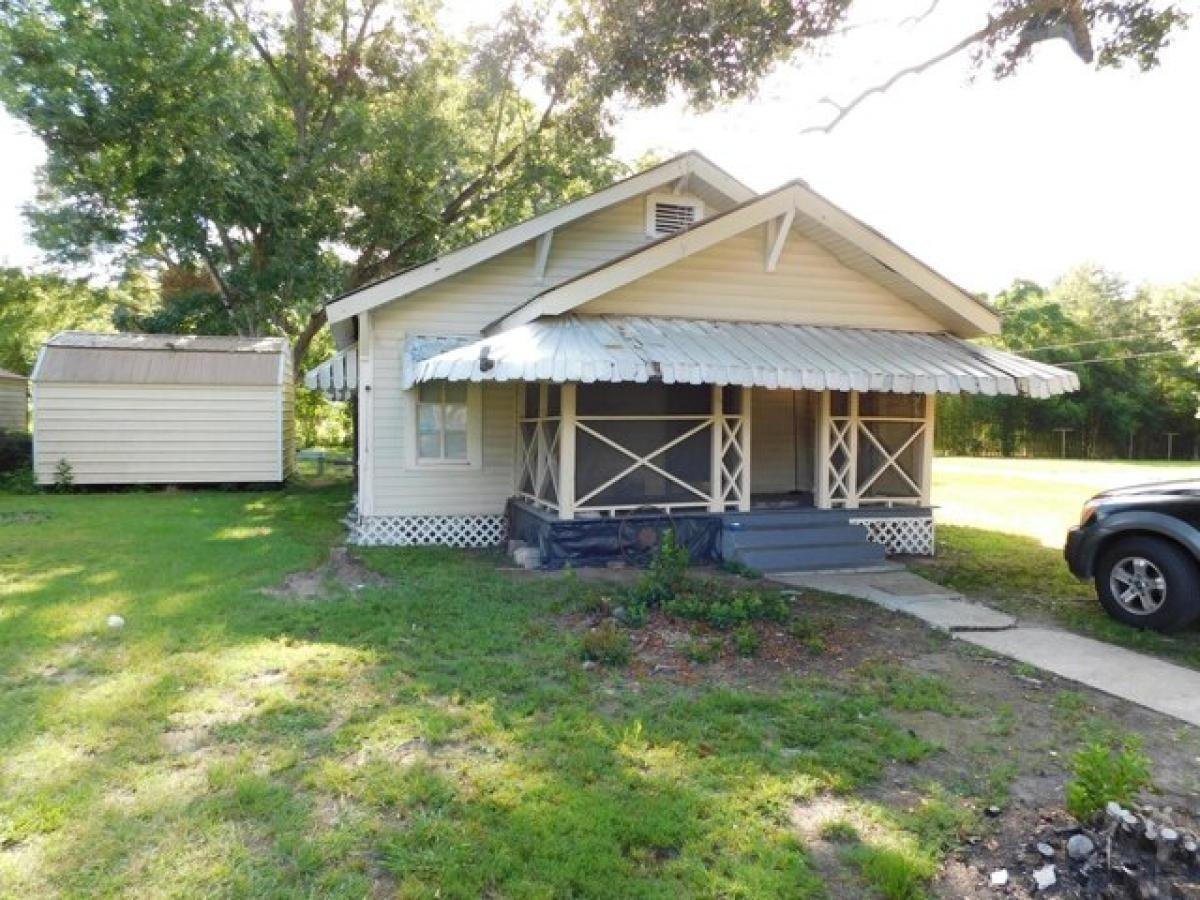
x: 1088, y: 512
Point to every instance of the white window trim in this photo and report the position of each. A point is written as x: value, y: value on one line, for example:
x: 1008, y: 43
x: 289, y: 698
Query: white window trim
x: 474, y: 458
x: 676, y: 200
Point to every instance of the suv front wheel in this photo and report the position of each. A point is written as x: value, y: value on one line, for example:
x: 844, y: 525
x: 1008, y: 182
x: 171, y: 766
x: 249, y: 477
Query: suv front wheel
x: 1149, y: 582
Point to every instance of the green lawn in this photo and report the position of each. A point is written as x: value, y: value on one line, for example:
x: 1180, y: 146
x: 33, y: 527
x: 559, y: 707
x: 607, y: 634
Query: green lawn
x: 1001, y: 527
x: 434, y: 736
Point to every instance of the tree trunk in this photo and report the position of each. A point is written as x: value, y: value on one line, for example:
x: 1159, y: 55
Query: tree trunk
x: 303, y: 340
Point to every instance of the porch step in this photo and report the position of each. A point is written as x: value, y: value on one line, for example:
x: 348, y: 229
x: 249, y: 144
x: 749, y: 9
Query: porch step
x: 805, y: 535
x: 797, y: 540
x: 798, y: 559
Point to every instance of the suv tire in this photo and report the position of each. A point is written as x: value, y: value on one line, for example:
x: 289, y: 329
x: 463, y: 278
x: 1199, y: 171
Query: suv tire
x: 1149, y: 582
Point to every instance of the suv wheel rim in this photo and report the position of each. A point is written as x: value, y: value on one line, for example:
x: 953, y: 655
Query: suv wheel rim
x: 1138, y: 585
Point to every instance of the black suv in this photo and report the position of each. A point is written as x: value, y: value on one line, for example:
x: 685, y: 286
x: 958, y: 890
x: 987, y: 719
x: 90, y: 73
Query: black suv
x: 1142, y: 546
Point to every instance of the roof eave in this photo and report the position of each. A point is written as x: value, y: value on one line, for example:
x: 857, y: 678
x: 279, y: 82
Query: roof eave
x: 400, y: 285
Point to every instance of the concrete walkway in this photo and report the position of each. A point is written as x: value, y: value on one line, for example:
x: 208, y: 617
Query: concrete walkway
x: 1161, y: 686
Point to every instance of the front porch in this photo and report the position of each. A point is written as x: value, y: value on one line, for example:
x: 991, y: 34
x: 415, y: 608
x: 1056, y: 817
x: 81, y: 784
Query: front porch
x: 772, y: 479
x: 595, y: 450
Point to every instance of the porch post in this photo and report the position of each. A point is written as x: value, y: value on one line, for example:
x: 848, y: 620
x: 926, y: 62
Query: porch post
x: 822, y: 444
x: 927, y: 450
x: 716, y: 480
x: 566, y: 453
x: 744, y: 446
x: 852, y: 474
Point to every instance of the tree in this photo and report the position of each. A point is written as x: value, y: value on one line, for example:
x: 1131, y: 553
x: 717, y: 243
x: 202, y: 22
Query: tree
x: 270, y: 160
x: 713, y: 51
x: 260, y: 159
x: 34, y: 307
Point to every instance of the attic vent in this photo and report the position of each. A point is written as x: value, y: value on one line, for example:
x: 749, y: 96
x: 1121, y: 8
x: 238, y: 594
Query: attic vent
x: 670, y: 214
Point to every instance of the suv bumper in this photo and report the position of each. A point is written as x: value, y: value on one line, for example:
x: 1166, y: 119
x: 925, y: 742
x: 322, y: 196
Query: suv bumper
x: 1078, y: 553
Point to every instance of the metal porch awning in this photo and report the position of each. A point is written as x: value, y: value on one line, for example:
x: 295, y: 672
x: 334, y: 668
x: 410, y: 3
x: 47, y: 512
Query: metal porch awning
x: 336, y: 378
x: 694, y: 351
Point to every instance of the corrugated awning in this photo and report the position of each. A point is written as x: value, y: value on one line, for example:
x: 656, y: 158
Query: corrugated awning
x: 336, y: 378
x: 692, y: 351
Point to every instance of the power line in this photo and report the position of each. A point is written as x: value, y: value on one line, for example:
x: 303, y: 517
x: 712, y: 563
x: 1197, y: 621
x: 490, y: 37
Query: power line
x: 1108, y: 340
x: 1088, y: 362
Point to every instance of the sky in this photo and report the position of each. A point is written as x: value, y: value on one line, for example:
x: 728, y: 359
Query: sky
x: 986, y: 181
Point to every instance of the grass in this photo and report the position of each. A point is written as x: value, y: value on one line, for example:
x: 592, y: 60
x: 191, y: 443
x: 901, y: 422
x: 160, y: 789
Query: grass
x: 1001, y: 526
x: 435, y: 736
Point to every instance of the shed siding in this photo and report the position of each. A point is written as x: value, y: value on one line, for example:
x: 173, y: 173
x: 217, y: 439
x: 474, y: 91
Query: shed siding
x: 467, y: 302
x: 13, y: 405
x: 131, y: 434
x: 729, y: 281
x: 399, y: 489
x: 287, y: 417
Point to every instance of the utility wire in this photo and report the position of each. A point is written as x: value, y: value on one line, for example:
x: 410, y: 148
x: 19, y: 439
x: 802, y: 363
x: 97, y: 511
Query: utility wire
x: 1109, y: 340
x: 1088, y: 362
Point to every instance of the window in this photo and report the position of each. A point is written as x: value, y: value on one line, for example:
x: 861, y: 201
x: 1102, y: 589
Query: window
x: 442, y: 422
x: 671, y: 213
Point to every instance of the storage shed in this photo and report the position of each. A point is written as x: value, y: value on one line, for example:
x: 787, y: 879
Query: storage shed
x: 14, y: 403
x: 163, y: 409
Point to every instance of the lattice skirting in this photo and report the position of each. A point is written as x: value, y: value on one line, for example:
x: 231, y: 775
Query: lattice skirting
x: 911, y: 535
x: 446, y: 531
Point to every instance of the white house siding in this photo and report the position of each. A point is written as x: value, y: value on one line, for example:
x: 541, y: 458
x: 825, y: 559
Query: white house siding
x: 13, y: 404
x: 135, y: 434
x: 729, y: 281
x: 781, y: 445
x: 399, y: 488
x: 466, y: 303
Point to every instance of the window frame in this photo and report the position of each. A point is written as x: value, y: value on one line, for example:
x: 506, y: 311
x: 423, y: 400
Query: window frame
x: 474, y: 458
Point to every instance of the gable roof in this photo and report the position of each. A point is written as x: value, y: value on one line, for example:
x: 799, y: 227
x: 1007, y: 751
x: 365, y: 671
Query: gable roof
x: 406, y: 282
x: 80, y: 357
x: 852, y: 242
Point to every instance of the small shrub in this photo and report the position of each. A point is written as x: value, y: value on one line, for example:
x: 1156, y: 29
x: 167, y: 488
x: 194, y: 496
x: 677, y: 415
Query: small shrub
x: 16, y: 451
x: 608, y: 644
x: 746, y: 641
x: 704, y: 651
x: 839, y: 831
x: 808, y: 632
x: 666, y: 576
x: 710, y: 602
x: 1107, y: 770
x: 64, y: 476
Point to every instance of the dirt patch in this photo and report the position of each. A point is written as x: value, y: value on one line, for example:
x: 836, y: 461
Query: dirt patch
x: 1013, y: 739
x: 342, y: 571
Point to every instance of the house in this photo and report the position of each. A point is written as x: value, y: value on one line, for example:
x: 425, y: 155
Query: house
x: 759, y: 371
x: 163, y: 409
x: 14, y: 402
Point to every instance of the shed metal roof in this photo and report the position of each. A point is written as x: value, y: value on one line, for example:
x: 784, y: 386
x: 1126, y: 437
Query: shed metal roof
x: 85, y: 358
x: 5, y: 374
x: 693, y: 351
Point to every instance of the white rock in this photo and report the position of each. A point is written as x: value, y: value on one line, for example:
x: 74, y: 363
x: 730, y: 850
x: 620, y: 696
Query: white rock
x: 1045, y: 850
x: 1000, y: 878
x: 1044, y: 878
x: 1114, y: 810
x: 1080, y: 847
x: 528, y: 557
x: 116, y: 622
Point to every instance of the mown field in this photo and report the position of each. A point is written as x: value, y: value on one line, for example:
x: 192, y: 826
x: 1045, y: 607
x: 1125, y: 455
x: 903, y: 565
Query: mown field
x: 1001, y: 528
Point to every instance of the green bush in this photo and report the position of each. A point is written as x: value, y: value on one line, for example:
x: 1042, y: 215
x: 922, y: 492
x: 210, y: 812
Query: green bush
x: 16, y: 451
x: 704, y: 651
x: 666, y: 576
x: 746, y: 641
x: 1106, y: 771
x: 711, y: 602
x: 608, y: 644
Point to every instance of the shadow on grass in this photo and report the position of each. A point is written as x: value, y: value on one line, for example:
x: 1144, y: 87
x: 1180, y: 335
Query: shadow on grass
x: 436, y: 734
x: 1021, y: 576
